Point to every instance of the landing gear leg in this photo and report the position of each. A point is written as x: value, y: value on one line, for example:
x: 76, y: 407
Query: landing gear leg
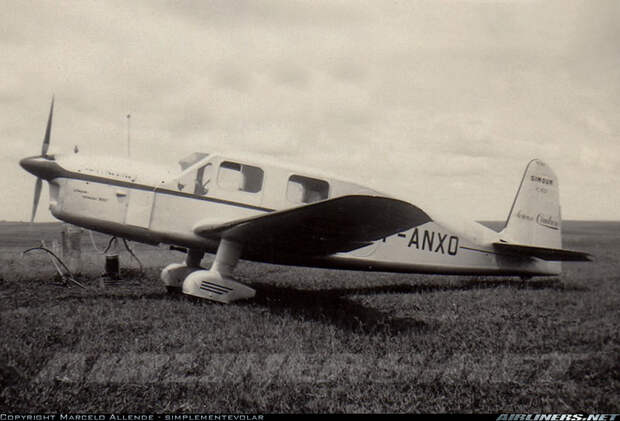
x: 174, y: 274
x: 193, y: 258
x: 217, y: 283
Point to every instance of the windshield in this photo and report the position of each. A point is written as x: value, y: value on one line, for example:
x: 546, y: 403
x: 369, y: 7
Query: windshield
x: 191, y: 159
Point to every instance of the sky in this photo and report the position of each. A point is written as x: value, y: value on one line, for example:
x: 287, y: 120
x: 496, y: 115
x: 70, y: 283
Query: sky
x: 441, y: 103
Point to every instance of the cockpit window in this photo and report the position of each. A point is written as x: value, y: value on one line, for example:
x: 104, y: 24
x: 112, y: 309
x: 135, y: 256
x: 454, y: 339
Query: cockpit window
x: 235, y: 176
x: 306, y: 190
x: 196, y: 181
x: 203, y: 178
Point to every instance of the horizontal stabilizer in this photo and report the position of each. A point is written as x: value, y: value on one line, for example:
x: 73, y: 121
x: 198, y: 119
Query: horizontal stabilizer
x: 335, y: 225
x: 543, y: 252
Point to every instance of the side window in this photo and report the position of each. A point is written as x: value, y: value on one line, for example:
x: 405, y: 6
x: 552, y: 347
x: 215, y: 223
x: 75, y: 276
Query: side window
x: 235, y: 176
x: 306, y: 190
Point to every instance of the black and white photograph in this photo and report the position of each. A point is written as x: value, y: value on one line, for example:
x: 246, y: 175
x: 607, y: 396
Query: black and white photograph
x: 239, y: 208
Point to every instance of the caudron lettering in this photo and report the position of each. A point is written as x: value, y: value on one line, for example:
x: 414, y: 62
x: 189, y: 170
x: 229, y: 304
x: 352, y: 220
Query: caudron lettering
x: 547, y: 221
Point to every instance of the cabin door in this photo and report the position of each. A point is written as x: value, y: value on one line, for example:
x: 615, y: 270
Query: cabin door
x: 140, y: 208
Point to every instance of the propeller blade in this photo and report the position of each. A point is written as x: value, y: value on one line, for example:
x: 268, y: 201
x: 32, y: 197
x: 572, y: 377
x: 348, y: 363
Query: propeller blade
x: 46, y: 139
x: 37, y: 195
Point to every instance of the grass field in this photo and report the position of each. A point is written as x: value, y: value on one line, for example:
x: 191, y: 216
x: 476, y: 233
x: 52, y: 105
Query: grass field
x: 312, y: 340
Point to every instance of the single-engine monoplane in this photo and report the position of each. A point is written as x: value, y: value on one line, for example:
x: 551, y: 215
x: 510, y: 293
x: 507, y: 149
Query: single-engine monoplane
x: 244, y: 209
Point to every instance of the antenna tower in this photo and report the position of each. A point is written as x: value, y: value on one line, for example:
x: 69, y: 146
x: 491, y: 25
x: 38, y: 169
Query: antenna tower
x: 128, y: 135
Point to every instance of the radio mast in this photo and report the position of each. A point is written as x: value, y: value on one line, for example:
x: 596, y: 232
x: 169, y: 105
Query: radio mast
x: 128, y: 136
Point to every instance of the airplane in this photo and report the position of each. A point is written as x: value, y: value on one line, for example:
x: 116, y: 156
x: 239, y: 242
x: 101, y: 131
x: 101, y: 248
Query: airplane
x: 244, y: 209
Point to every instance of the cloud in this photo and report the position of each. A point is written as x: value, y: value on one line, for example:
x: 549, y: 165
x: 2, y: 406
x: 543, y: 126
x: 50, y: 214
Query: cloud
x: 421, y: 99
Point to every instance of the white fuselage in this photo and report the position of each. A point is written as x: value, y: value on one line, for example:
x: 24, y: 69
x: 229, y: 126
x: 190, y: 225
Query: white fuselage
x: 155, y: 205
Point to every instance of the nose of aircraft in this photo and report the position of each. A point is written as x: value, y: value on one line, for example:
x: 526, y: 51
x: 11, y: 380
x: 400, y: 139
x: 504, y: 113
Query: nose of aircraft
x: 39, y: 166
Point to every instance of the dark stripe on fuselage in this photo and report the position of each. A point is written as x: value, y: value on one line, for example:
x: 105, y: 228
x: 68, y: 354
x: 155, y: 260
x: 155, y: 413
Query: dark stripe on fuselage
x: 64, y: 173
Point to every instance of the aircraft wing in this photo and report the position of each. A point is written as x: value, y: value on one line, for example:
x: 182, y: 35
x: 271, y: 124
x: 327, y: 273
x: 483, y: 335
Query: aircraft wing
x: 543, y: 252
x: 335, y: 225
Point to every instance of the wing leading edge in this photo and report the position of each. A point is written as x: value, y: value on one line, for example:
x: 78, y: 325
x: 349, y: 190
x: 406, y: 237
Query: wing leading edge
x: 335, y: 225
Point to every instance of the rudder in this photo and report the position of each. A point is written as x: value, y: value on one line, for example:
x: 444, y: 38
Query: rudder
x: 535, y: 216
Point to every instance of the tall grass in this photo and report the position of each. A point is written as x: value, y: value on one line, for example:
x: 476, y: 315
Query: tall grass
x: 312, y: 340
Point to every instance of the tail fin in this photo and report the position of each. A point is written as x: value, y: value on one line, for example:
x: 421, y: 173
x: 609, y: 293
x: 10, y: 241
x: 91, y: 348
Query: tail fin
x: 534, y: 225
x: 535, y: 217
